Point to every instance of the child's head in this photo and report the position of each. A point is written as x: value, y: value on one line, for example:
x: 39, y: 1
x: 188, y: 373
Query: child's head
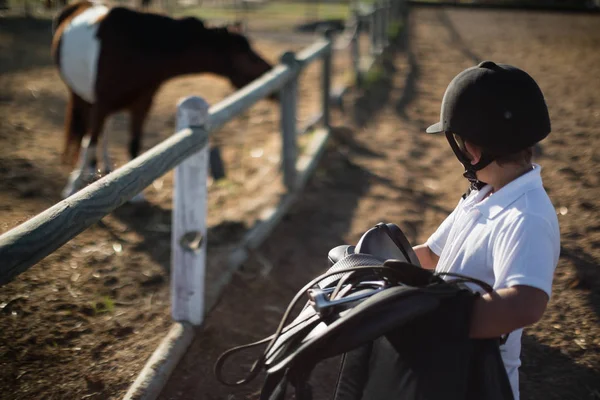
x: 492, y: 113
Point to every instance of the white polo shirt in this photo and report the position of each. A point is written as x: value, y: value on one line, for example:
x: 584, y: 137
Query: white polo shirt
x: 510, y: 238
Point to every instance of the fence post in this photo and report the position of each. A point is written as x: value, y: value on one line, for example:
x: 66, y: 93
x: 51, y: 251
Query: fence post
x: 289, y: 94
x: 188, y: 234
x: 355, y: 49
x: 373, y: 29
x: 381, y: 25
x: 326, y: 77
x: 385, y: 6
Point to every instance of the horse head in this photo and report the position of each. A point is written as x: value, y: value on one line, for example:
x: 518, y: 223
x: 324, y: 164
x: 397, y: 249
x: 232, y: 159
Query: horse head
x: 246, y: 64
x: 223, y: 50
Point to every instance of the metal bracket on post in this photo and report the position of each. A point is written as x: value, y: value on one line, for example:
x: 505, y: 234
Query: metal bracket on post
x: 289, y: 95
x: 188, y: 235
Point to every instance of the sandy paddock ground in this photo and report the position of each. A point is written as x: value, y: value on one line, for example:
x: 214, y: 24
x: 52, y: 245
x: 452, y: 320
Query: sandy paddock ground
x: 83, y: 321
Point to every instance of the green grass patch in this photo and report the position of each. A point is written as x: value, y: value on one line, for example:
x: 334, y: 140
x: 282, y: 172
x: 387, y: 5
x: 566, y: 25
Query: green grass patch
x: 106, y: 305
x: 374, y: 74
x: 225, y: 183
x: 395, y: 28
x: 305, y: 140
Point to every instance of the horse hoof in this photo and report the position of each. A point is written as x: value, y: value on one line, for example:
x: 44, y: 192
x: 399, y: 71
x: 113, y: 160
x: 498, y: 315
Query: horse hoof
x: 138, y: 198
x: 68, y: 191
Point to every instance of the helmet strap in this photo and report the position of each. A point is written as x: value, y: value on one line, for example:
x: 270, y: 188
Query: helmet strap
x: 470, y: 169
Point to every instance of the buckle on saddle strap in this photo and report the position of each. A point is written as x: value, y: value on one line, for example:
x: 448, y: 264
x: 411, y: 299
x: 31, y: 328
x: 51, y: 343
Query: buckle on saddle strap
x: 321, y: 302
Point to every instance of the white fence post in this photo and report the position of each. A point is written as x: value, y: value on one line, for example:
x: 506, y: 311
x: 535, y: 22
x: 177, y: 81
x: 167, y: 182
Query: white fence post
x: 188, y: 237
x: 326, y: 78
x: 380, y: 26
x: 373, y: 29
x: 289, y: 94
x: 385, y: 18
x: 355, y: 48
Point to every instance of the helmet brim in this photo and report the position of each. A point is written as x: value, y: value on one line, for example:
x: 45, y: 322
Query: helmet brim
x: 435, y: 128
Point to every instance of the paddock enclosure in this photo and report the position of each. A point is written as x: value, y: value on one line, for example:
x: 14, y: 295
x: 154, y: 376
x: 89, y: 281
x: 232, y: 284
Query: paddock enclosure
x: 83, y: 322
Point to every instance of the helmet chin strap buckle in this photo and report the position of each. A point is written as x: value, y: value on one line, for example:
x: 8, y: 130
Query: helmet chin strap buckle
x: 470, y: 169
x: 476, y: 184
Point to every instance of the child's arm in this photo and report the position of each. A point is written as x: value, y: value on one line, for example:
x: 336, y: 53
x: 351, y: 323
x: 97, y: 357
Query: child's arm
x: 505, y: 310
x: 427, y: 258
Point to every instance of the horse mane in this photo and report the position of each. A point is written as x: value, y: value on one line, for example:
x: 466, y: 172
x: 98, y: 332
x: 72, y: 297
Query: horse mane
x: 223, y: 37
x: 161, y: 34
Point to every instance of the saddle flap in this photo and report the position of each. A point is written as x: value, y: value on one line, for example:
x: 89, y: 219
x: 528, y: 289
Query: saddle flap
x: 365, y: 322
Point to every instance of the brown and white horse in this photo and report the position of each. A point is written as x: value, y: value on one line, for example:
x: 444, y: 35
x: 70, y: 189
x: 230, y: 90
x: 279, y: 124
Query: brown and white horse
x: 116, y: 59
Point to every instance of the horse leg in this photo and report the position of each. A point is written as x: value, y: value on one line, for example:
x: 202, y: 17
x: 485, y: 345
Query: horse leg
x: 76, y: 126
x: 138, y: 114
x: 88, y: 160
x: 106, y: 161
x: 77, y: 117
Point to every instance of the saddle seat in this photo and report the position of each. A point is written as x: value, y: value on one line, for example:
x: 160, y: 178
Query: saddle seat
x: 383, y: 241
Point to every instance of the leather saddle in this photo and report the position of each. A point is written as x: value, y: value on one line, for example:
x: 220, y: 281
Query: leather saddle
x: 370, y: 290
x: 383, y: 241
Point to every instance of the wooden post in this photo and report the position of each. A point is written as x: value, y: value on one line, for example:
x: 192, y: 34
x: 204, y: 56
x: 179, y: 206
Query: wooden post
x: 373, y: 29
x: 288, y: 98
x: 355, y: 49
x: 380, y: 27
x: 188, y: 234
x: 385, y: 18
x: 326, y: 78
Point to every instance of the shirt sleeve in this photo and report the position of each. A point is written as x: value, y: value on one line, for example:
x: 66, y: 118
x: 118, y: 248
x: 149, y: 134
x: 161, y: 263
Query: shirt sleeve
x: 526, y: 253
x: 437, y: 240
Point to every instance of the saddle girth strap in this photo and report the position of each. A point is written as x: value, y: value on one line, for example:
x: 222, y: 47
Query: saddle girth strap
x: 275, y: 385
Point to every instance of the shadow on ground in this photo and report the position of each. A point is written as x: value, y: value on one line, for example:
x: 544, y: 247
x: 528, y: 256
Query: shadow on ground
x: 31, y: 181
x: 586, y: 279
x: 455, y: 39
x: 540, y: 361
x: 38, y: 35
x: 378, y: 87
x: 153, y: 223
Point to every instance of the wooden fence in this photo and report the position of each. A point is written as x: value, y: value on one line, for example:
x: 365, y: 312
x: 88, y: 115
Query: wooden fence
x: 187, y: 151
x: 380, y: 21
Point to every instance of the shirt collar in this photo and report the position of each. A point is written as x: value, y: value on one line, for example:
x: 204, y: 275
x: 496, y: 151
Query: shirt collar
x: 493, y: 205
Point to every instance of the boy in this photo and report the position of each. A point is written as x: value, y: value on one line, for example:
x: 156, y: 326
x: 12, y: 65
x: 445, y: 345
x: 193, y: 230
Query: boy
x: 504, y: 231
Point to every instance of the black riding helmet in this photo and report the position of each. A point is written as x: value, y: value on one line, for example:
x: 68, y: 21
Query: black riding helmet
x: 498, y: 107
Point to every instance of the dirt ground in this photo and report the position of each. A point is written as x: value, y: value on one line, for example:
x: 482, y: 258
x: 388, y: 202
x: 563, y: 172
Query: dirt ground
x: 82, y: 323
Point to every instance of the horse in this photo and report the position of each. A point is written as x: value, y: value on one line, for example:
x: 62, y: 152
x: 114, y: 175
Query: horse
x: 116, y: 59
